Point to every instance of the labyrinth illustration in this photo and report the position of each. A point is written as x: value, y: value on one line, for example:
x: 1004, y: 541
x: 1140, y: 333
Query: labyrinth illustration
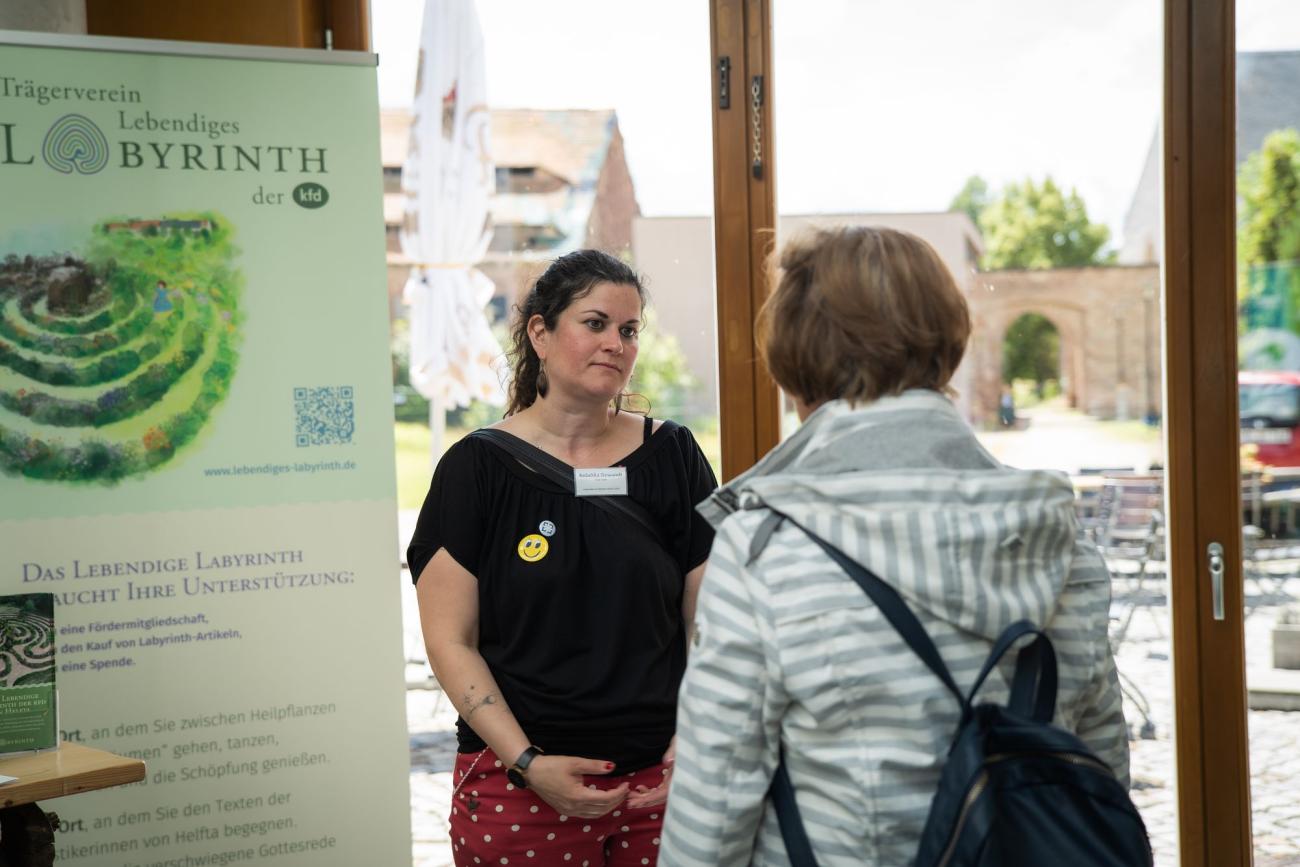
x: 27, y: 641
x: 74, y: 143
x: 114, y: 356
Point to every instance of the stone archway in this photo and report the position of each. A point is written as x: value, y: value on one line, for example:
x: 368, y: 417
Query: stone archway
x: 1020, y: 327
x: 989, y: 335
x: 1109, y: 326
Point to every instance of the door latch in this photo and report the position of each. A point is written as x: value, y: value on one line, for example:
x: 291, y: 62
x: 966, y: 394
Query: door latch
x: 1214, y: 552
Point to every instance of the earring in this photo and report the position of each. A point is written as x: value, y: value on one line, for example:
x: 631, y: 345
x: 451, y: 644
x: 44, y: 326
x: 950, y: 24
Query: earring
x: 541, y: 377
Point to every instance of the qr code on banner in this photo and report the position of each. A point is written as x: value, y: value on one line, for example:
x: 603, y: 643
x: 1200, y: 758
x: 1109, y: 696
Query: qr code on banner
x: 325, y: 416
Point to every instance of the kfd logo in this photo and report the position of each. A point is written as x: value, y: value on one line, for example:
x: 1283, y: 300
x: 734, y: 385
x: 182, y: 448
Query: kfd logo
x: 73, y: 144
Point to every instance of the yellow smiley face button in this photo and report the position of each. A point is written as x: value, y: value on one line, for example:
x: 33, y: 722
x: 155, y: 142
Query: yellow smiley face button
x: 533, y: 548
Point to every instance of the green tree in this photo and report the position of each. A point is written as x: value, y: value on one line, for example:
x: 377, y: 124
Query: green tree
x: 1268, y: 233
x: 1040, y: 226
x: 662, y: 379
x: 1032, y: 350
x: 662, y: 375
x: 973, y: 198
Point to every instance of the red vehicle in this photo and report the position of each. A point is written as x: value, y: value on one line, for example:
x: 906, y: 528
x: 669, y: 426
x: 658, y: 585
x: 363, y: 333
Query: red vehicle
x: 1269, y: 402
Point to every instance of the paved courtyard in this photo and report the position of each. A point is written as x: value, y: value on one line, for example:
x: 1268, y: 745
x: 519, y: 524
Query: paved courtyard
x: 432, y: 724
x: 1060, y: 440
x: 1144, y: 660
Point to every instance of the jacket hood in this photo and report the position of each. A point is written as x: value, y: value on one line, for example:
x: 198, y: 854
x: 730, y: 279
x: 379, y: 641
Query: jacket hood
x: 903, y: 486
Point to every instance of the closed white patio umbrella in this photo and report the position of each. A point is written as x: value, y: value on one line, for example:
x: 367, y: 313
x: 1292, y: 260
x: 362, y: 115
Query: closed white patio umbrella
x: 447, y: 180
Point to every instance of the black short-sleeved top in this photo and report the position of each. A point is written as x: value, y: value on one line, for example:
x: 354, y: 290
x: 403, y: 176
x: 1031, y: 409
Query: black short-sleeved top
x: 586, y: 642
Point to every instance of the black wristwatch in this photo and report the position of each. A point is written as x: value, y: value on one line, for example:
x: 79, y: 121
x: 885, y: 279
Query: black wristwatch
x: 515, y: 773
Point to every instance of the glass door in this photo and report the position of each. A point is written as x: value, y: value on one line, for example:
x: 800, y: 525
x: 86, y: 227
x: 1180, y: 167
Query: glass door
x: 596, y: 139
x: 1268, y: 329
x: 1021, y: 141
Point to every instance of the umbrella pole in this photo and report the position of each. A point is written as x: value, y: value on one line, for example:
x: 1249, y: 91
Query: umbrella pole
x: 437, y: 430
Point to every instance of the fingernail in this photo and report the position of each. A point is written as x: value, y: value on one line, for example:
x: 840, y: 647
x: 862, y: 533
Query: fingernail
x: 609, y: 766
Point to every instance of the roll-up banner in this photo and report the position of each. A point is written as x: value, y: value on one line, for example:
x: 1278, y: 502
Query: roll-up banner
x: 196, y: 443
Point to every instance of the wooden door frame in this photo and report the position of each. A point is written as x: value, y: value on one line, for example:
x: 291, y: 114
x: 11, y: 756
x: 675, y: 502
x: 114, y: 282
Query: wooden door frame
x: 1201, y: 422
x: 744, y: 225
x: 344, y: 24
x: 1202, y: 435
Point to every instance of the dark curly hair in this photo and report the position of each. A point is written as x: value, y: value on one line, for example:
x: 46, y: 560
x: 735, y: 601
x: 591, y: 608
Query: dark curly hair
x: 570, y: 277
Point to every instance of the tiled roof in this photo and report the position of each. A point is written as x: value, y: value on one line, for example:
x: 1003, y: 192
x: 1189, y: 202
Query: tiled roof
x: 1268, y: 96
x: 1268, y: 99
x: 570, y: 143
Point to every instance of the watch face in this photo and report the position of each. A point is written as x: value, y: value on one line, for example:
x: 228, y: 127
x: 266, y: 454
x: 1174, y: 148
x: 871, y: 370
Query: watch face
x: 516, y: 778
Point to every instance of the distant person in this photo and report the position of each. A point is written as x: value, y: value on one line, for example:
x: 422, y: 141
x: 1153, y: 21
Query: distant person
x: 1007, y: 408
x: 864, y: 331
x: 161, y: 302
x: 558, y: 624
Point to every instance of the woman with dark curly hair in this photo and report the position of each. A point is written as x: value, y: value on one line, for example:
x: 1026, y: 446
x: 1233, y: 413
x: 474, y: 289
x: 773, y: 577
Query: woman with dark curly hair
x: 557, y: 560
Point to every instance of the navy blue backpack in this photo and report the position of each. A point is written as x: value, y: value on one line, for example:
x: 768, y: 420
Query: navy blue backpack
x: 1015, y: 789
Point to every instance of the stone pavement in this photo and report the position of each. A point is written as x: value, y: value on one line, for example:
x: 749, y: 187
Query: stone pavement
x: 1143, y: 660
x: 431, y: 721
x: 1059, y: 439
x: 1055, y: 437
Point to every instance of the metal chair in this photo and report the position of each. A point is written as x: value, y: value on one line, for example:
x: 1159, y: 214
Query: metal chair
x: 1129, y: 532
x: 1127, y: 525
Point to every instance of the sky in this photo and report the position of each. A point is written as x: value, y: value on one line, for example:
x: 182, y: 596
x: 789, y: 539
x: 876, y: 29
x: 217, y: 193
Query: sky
x: 881, y: 106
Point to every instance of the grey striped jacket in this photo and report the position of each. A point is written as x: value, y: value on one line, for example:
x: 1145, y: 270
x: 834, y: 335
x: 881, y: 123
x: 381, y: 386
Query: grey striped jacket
x: 790, y: 651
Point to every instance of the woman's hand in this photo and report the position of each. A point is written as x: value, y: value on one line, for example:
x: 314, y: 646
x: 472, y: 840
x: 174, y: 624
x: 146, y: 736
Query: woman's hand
x: 643, y: 797
x: 557, y: 780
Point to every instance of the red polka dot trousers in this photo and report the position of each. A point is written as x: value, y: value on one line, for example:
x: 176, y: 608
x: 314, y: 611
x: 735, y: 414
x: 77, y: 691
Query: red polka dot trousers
x: 495, y: 823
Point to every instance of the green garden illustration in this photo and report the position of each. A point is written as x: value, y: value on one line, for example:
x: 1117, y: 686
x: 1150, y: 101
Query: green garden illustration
x: 113, y: 357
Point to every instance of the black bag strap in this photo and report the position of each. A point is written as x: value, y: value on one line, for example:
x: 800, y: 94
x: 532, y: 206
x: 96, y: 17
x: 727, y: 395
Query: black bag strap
x: 895, y: 610
x: 550, y: 467
x: 1033, y: 689
x: 781, y: 793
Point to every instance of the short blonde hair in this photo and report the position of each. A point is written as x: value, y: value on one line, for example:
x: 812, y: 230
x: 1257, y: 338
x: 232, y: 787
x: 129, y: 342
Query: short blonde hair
x: 860, y: 312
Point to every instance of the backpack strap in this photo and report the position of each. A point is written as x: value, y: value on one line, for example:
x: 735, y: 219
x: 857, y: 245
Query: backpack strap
x: 1033, y: 689
x: 552, y: 468
x: 895, y: 610
x: 781, y: 794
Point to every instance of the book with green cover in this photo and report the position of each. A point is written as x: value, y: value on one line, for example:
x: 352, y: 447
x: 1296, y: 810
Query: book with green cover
x: 28, y: 714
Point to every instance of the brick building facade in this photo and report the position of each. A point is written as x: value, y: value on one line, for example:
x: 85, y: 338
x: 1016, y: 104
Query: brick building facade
x: 562, y: 183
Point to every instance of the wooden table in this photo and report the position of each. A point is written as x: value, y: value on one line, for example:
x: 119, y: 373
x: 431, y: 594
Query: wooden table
x: 26, y: 831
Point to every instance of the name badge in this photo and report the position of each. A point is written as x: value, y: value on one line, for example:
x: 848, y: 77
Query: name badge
x: 600, y: 482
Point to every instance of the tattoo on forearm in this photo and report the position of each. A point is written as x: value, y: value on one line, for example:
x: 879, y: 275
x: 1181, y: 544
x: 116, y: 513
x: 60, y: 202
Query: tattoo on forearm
x: 473, y: 704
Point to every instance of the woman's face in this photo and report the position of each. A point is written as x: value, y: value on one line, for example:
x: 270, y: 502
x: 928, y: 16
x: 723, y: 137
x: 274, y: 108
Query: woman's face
x: 591, y: 352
